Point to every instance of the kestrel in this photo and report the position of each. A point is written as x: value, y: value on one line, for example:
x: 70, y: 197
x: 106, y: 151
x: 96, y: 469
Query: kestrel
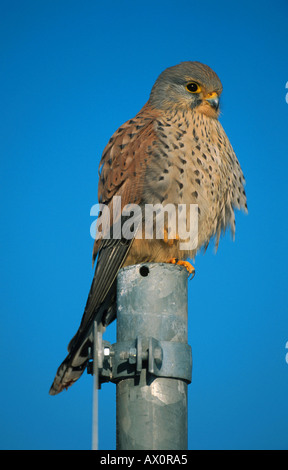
x: 174, y: 151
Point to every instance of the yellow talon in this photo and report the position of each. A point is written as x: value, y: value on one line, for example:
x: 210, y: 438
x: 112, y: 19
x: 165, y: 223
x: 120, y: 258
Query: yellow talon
x: 188, y: 266
x: 167, y: 240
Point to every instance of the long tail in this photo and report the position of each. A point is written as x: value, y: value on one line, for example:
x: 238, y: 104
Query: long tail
x: 100, y: 306
x: 72, y: 367
x: 75, y: 363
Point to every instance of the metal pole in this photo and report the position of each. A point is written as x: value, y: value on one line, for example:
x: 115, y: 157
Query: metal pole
x: 95, y: 389
x: 152, y: 313
x: 97, y: 355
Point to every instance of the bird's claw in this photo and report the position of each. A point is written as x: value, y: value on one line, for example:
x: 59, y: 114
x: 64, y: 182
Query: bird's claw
x: 188, y: 266
x: 167, y: 240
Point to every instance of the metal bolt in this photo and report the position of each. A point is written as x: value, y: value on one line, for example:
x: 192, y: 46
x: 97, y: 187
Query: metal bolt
x: 131, y: 355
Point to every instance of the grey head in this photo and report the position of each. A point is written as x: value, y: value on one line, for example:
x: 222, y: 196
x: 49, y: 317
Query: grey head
x: 186, y: 85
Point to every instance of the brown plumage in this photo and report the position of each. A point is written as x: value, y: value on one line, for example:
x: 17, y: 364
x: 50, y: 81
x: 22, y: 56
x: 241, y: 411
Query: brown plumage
x: 174, y: 151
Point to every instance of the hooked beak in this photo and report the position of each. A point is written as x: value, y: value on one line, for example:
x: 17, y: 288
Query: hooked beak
x: 213, y: 100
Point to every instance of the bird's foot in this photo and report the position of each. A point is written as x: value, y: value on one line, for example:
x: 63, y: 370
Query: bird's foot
x: 167, y: 240
x: 188, y: 266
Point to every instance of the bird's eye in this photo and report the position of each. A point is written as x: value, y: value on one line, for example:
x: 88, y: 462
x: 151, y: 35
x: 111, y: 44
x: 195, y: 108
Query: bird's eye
x: 193, y: 87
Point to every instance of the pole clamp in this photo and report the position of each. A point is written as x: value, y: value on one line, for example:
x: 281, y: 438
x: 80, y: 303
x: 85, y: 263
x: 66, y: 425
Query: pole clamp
x: 161, y: 358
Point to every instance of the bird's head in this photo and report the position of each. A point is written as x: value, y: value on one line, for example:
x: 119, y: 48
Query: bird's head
x: 188, y: 85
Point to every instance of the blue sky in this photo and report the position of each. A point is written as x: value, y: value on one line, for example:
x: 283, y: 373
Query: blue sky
x: 71, y: 74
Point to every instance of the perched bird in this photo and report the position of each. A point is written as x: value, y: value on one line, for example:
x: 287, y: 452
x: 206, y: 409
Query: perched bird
x: 174, y: 151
